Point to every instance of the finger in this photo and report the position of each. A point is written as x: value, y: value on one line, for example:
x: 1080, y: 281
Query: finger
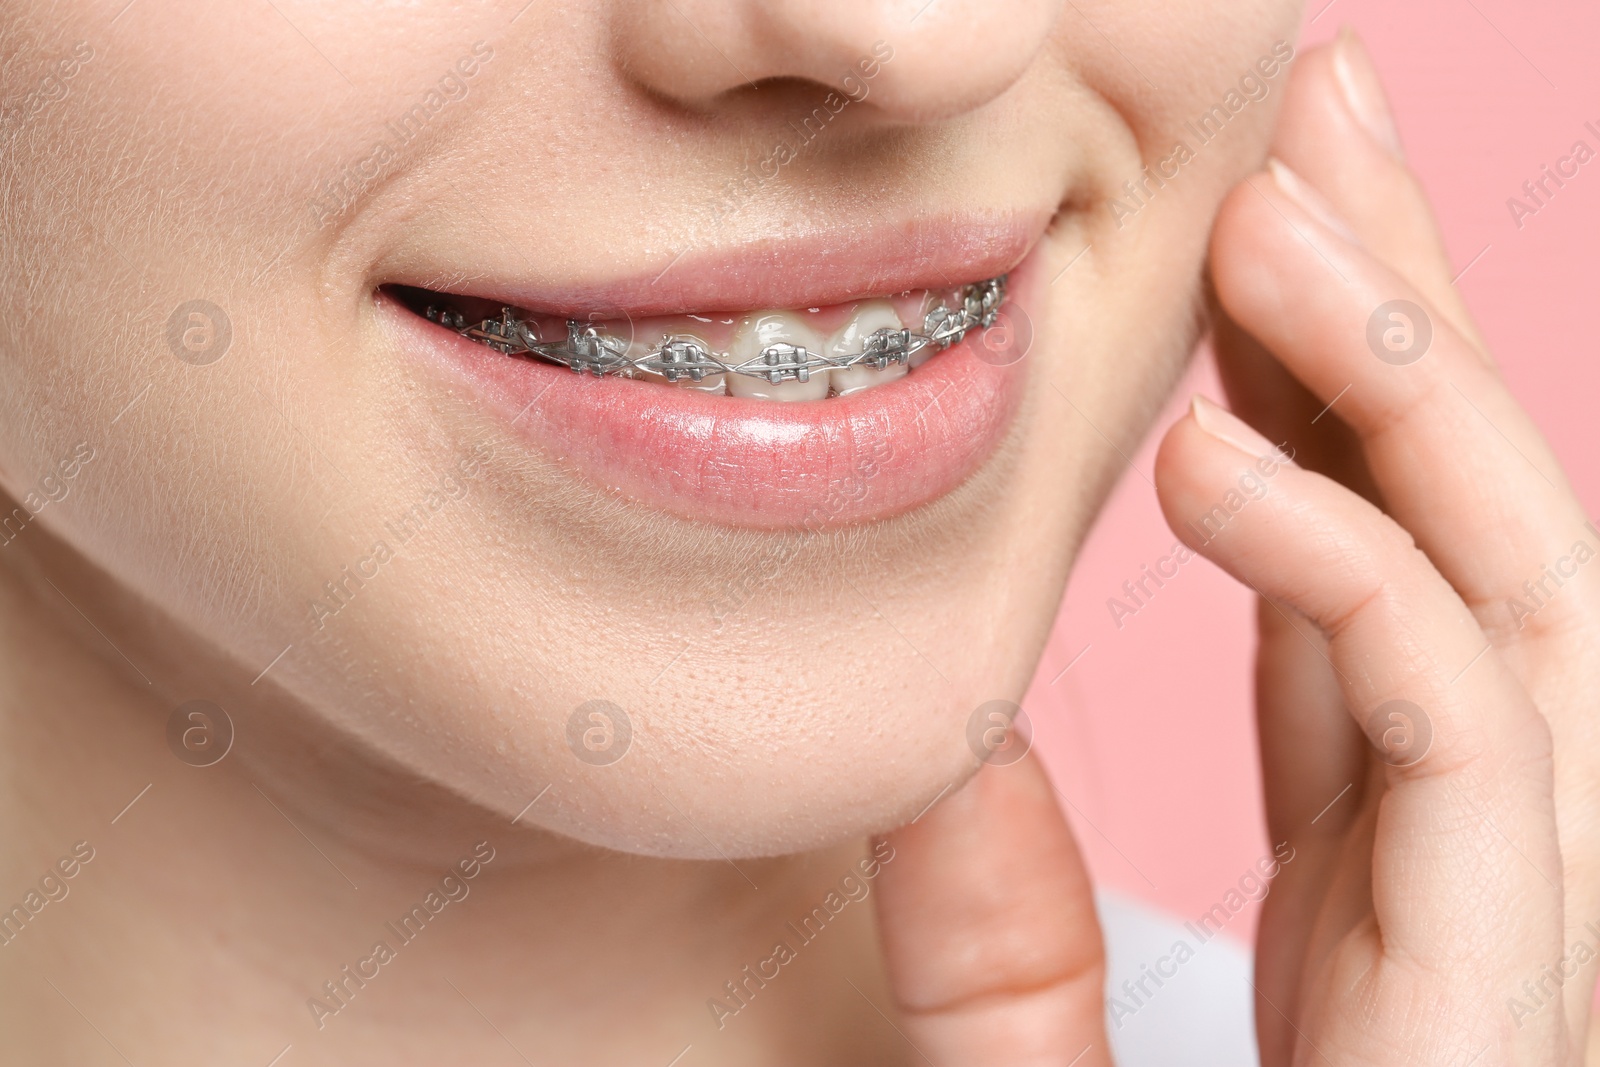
x: 1313, y: 758
x: 1456, y: 460
x: 1467, y: 829
x: 1263, y: 393
x: 989, y: 929
x: 1336, y: 130
x: 1458, y: 464
x: 1313, y: 763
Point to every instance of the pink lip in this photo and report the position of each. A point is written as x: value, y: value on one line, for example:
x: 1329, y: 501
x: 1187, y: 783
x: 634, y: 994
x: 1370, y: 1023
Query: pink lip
x: 938, y: 253
x: 753, y: 463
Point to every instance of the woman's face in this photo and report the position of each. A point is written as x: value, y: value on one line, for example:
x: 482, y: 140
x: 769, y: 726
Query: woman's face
x: 366, y: 536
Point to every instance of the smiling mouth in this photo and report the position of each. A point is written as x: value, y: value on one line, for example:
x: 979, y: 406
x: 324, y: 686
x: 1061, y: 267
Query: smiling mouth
x: 786, y: 355
x: 895, y: 355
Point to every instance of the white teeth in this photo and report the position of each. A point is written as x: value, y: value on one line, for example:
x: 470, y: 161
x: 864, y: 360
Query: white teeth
x: 754, y: 334
x: 851, y: 338
x: 759, y: 330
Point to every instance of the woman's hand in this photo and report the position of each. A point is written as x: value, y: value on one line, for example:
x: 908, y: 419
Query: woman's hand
x: 1427, y: 678
x: 1451, y: 616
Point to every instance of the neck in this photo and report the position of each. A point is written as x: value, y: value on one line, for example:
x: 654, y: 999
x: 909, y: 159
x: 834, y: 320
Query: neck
x: 299, y: 894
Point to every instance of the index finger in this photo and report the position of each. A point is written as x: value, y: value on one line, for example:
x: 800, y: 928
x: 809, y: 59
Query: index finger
x: 1458, y: 461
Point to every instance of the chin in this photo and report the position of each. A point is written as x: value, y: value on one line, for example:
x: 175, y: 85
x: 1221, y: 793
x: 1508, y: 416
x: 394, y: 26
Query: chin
x: 776, y: 792
x: 690, y: 754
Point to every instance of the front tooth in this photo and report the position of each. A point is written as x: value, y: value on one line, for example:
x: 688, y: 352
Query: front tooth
x: 754, y: 334
x: 711, y: 383
x: 851, y: 338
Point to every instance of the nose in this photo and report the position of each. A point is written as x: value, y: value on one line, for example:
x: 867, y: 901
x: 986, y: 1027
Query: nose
x: 909, y: 60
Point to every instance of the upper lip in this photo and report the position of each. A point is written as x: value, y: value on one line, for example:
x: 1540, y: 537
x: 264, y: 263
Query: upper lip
x: 809, y: 270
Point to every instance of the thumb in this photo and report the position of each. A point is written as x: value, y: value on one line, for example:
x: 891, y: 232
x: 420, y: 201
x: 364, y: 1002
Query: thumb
x: 989, y: 929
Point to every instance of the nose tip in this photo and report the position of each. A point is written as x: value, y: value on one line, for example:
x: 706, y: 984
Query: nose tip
x: 910, y: 61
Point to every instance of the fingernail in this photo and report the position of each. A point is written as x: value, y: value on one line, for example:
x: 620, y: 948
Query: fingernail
x: 1225, y: 426
x: 1363, y: 91
x: 1297, y: 189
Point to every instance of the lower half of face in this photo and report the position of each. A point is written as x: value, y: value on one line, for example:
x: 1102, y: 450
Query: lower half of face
x: 649, y: 437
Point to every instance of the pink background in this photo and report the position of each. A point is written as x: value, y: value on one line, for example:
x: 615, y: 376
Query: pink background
x: 1150, y: 734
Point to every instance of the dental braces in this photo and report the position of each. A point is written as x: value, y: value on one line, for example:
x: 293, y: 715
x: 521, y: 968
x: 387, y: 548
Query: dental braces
x: 587, y: 349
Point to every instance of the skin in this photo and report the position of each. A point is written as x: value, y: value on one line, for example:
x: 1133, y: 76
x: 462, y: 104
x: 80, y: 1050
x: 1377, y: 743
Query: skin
x: 316, y: 428
x: 1430, y: 881
x: 180, y: 563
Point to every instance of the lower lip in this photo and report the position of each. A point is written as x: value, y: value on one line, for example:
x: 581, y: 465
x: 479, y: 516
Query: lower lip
x: 751, y: 463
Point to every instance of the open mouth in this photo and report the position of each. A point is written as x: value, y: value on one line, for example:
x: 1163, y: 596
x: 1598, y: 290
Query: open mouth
x: 889, y: 396
x: 784, y: 355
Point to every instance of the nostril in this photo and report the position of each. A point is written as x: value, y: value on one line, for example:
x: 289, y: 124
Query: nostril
x: 910, y: 63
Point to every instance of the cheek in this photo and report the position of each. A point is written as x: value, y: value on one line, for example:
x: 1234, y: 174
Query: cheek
x: 252, y: 402
x: 1216, y: 45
